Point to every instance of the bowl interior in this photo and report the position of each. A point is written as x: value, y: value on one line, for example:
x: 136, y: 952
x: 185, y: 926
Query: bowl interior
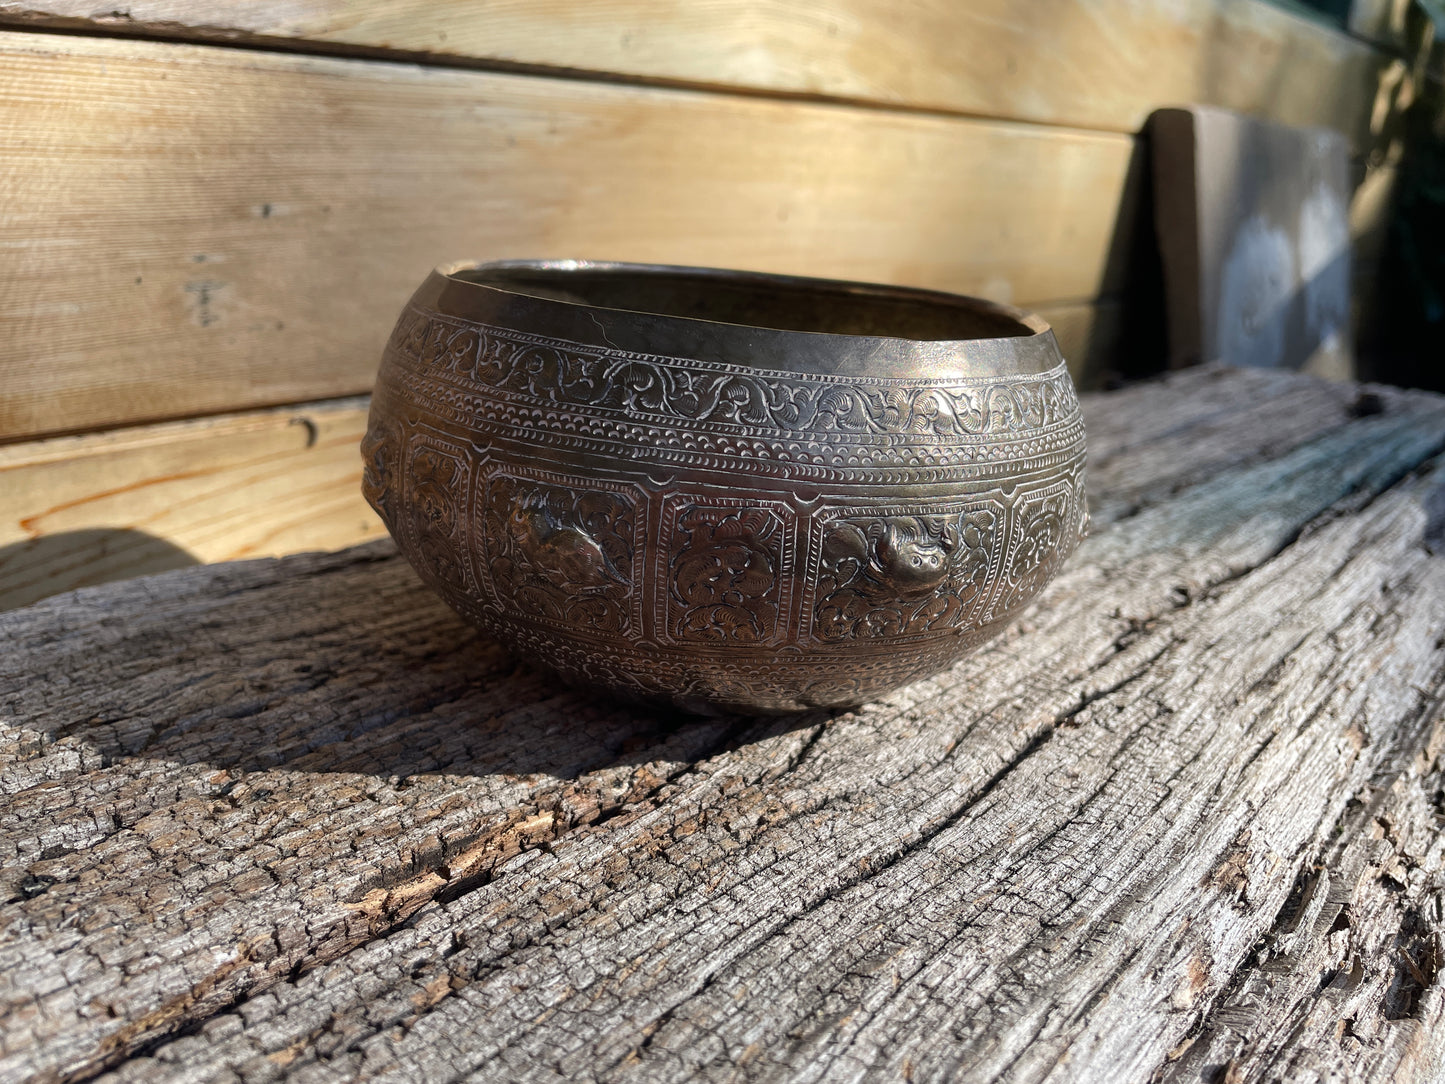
x: 780, y: 303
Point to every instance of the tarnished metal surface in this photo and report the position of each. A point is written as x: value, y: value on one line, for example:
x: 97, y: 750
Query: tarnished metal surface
x: 679, y: 505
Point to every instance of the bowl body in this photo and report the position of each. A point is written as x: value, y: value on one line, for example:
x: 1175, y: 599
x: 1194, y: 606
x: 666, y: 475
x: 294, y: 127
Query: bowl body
x: 722, y: 490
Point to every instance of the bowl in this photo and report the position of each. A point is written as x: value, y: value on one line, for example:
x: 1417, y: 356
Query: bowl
x: 722, y: 490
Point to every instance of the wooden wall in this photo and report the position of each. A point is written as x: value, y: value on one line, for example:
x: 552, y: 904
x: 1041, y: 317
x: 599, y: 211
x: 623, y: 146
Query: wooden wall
x: 213, y: 211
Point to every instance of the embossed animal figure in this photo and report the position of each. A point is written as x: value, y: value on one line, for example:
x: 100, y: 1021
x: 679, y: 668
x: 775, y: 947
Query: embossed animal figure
x: 561, y: 555
x: 910, y: 560
x: 898, y: 557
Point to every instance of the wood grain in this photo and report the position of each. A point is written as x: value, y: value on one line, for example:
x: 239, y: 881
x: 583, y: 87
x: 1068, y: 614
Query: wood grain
x: 84, y: 510
x: 1089, y: 63
x: 194, y: 229
x: 290, y: 820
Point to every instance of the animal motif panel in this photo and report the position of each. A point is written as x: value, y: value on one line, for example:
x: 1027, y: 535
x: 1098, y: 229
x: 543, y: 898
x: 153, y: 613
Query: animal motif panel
x: 562, y: 552
x: 672, y: 390
x: 900, y: 573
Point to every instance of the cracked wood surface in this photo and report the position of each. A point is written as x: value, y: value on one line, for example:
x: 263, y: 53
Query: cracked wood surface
x: 289, y: 819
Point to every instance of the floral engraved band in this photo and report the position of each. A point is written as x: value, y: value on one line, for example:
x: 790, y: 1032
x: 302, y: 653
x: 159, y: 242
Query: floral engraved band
x: 795, y: 516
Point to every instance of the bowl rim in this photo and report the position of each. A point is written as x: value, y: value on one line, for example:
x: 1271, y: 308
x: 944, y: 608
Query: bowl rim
x: 447, y: 290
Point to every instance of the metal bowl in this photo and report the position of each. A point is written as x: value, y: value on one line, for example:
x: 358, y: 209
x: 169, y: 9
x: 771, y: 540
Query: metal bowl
x: 724, y: 490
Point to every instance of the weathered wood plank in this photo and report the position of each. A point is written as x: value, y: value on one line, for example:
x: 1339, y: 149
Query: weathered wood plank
x: 290, y: 819
x: 1091, y: 63
x: 107, y: 506
x: 1344, y: 985
x: 206, y: 229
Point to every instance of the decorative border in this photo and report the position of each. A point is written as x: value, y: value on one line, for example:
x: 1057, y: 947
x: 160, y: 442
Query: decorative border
x: 552, y: 373
x: 881, y: 461
x: 721, y: 677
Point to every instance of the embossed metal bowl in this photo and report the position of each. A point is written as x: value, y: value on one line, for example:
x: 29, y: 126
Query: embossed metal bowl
x: 724, y: 490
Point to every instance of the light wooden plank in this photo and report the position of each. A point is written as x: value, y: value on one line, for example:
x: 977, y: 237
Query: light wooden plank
x: 192, y: 229
x: 1092, y: 63
x: 85, y: 510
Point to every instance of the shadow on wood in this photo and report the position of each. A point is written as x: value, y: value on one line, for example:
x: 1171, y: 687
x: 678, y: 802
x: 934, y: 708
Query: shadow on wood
x: 40, y: 567
x: 1131, y: 345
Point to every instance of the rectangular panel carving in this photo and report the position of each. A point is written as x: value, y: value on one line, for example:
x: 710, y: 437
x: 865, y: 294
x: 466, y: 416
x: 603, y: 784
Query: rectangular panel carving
x: 564, y: 552
x: 729, y: 579
x: 886, y: 573
x: 437, y: 479
x: 1045, y: 531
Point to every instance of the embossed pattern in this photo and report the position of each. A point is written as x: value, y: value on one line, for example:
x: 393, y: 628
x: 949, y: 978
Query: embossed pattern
x: 905, y: 575
x: 671, y: 390
x: 436, y: 486
x: 717, y: 536
x: 724, y: 578
x: 379, y: 451
x: 564, y: 555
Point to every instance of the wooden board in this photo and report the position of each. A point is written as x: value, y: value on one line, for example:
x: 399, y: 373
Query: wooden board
x: 289, y: 820
x: 83, y: 510
x: 193, y: 229
x: 1254, y: 227
x: 1091, y: 63
x: 1400, y: 26
x: 106, y: 506
x: 1089, y: 336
